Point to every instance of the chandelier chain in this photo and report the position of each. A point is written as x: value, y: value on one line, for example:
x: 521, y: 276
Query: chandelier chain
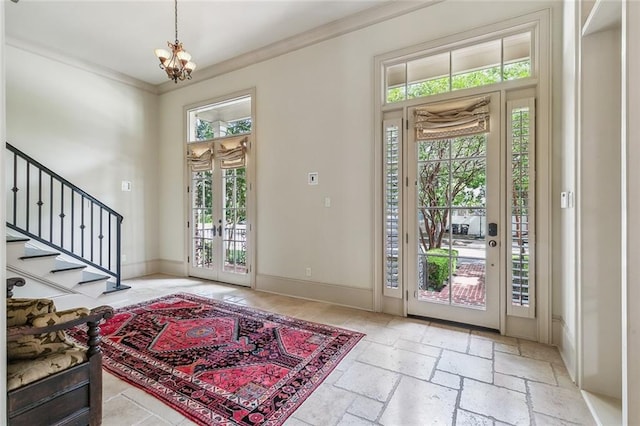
x: 176, y: 15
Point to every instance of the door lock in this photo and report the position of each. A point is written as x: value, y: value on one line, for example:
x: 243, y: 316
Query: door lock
x: 492, y: 243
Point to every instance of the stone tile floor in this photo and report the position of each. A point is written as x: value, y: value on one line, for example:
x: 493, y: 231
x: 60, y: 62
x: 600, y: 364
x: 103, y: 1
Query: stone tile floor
x: 404, y: 372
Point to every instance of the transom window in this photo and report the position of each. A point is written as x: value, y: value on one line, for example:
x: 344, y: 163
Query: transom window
x: 480, y: 64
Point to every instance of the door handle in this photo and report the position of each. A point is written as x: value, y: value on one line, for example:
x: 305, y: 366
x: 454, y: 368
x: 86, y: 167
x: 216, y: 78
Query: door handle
x: 219, y: 230
x: 492, y: 243
x: 214, y: 230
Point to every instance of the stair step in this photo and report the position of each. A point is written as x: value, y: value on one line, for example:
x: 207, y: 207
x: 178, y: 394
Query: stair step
x: 90, y: 277
x: 33, y: 253
x: 62, y: 266
x: 14, y: 239
x: 36, y: 290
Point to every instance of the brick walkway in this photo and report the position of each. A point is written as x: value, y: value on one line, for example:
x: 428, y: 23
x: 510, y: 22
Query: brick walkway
x: 468, y: 287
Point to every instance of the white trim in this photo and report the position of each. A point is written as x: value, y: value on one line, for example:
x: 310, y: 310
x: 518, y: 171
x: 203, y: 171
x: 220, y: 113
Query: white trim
x: 139, y: 269
x: 544, y: 179
x: 175, y: 268
x: 605, y: 410
x: 81, y: 64
x: 360, y: 298
x: 565, y: 341
x: 387, y: 10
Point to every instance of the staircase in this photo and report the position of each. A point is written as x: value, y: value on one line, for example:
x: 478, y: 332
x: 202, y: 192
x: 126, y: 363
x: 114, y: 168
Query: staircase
x: 62, y: 240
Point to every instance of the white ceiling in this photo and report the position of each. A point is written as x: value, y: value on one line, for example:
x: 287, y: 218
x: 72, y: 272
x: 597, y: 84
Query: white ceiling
x: 121, y: 35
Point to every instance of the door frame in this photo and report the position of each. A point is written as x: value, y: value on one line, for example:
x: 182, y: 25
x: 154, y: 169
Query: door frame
x: 540, y: 327
x: 250, y: 179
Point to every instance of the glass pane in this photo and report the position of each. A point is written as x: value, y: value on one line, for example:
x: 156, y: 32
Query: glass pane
x: 476, y: 78
x: 519, y: 207
x: 477, y: 65
x: 201, y: 220
x: 516, y: 51
x: 428, y: 76
x: 396, y: 82
x: 221, y: 119
x: 434, y: 218
x: 428, y: 87
x: 516, y: 70
x: 235, y: 232
x: 392, y: 200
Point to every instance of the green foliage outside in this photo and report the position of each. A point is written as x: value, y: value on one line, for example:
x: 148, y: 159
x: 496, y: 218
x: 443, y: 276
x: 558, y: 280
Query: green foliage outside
x: 238, y: 257
x: 438, y: 267
x: 478, y: 78
x: 520, y: 265
x: 451, y: 172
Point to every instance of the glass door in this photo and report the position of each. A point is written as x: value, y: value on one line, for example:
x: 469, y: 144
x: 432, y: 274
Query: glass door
x: 219, y: 225
x: 454, y: 227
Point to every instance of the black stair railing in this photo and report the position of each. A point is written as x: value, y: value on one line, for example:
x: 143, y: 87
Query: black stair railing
x: 48, y: 208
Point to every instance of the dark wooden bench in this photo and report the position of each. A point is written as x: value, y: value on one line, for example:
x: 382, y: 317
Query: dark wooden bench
x: 69, y: 397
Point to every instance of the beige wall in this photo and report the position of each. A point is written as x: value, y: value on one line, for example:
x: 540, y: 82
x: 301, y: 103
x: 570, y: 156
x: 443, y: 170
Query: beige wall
x: 95, y: 132
x: 314, y: 113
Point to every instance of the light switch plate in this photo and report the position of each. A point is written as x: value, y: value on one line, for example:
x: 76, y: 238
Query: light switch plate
x: 313, y: 178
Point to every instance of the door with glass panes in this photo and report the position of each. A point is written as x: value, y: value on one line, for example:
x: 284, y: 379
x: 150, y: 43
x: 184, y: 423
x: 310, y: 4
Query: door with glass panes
x: 454, y: 225
x: 218, y: 223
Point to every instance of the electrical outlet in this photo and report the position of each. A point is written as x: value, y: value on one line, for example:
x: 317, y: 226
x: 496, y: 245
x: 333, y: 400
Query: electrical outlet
x: 123, y: 257
x: 308, y: 272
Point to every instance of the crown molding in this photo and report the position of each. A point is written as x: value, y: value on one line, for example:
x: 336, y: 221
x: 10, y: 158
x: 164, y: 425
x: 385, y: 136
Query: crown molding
x: 368, y: 17
x: 81, y: 64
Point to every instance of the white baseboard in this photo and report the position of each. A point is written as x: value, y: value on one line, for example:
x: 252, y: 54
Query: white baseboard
x: 139, y: 269
x: 565, y: 341
x: 172, y: 267
x: 154, y: 266
x: 335, y: 294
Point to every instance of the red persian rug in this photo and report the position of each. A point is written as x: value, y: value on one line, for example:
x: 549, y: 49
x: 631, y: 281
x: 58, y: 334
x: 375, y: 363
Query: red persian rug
x: 220, y: 363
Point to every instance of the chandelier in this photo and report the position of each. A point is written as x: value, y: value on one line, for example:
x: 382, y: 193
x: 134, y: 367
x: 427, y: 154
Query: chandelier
x: 177, y: 63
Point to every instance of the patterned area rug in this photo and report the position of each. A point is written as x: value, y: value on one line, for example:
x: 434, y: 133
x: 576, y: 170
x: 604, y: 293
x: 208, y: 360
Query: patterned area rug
x: 219, y: 363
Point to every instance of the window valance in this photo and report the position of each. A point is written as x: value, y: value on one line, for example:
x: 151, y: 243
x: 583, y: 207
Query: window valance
x: 200, y: 156
x: 231, y: 151
x: 452, y: 119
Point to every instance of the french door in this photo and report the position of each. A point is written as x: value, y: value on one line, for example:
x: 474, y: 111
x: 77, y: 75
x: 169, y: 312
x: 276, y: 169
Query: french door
x: 452, y: 209
x: 218, y: 224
